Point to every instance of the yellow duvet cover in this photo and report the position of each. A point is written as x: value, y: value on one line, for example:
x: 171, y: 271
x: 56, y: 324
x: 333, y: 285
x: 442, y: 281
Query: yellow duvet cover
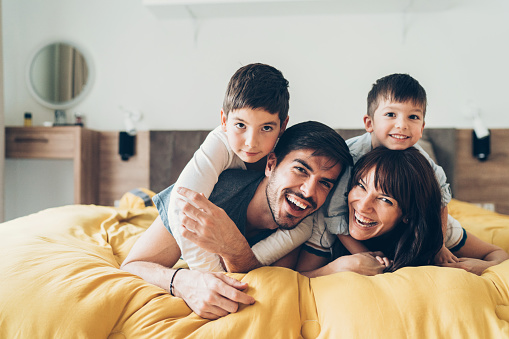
x: 60, y: 278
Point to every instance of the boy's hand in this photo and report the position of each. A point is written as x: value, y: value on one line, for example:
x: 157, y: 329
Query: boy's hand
x: 445, y: 256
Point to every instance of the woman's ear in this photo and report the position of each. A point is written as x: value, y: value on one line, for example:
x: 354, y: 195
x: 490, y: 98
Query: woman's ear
x: 224, y: 118
x: 405, y: 220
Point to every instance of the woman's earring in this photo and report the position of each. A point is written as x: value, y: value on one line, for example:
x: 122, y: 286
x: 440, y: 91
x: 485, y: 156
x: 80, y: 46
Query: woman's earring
x: 405, y: 220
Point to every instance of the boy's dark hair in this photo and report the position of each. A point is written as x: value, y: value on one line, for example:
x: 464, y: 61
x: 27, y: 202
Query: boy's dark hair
x: 258, y: 86
x: 397, y: 88
x: 408, y: 177
x: 320, y: 138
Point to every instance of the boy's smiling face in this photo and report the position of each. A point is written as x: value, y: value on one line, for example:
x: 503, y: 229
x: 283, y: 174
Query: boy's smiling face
x: 395, y: 125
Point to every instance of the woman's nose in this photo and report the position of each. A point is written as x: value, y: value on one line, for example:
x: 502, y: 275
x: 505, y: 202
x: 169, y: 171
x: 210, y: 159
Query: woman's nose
x: 365, y: 203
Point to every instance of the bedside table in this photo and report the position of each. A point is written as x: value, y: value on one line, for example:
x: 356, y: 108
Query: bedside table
x: 61, y: 142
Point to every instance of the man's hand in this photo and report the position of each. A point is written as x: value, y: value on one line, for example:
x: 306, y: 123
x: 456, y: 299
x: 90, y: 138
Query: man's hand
x: 209, y: 227
x: 210, y: 295
x: 445, y: 256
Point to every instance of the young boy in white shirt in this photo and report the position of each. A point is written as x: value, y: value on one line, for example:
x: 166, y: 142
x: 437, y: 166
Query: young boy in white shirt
x: 395, y: 119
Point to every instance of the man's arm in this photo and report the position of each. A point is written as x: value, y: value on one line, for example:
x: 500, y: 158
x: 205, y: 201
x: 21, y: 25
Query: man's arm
x: 210, y: 295
x: 211, y: 228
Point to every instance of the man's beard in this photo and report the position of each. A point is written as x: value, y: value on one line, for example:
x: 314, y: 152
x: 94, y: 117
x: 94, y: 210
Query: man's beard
x: 272, y: 199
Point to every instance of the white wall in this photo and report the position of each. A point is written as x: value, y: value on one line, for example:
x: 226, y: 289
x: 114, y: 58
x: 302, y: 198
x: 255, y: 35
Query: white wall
x: 176, y: 71
x: 177, y: 75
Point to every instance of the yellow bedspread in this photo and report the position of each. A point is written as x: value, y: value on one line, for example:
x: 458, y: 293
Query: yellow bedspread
x: 60, y: 279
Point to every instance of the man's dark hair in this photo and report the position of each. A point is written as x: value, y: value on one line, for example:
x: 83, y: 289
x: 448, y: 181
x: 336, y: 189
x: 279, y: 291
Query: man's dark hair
x: 320, y: 138
x: 397, y: 88
x: 258, y: 86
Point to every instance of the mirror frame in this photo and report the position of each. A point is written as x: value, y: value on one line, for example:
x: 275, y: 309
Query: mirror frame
x: 79, y: 97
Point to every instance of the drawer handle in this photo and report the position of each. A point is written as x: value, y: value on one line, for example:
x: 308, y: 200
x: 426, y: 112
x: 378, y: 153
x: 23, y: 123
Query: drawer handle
x: 41, y: 140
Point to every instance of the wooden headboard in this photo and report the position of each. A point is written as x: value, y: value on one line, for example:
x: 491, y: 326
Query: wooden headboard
x: 161, y: 156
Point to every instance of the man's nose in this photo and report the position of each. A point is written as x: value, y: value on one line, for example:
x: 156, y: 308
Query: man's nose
x: 308, y: 188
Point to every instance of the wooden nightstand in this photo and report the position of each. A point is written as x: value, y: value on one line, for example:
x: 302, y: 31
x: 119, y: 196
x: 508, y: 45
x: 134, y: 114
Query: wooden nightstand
x: 62, y: 142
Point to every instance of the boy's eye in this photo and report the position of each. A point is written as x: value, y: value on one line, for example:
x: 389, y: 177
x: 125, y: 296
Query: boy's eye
x: 240, y: 125
x: 390, y: 114
x: 414, y: 117
x: 267, y: 128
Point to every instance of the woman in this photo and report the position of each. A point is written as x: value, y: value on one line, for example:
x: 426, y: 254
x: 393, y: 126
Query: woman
x: 394, y: 207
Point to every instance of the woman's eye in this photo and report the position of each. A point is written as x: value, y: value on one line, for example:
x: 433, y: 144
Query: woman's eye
x: 360, y: 185
x: 387, y: 201
x: 267, y: 128
x: 240, y: 125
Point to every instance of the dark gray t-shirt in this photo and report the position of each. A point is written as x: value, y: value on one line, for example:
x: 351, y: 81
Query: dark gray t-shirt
x: 233, y: 192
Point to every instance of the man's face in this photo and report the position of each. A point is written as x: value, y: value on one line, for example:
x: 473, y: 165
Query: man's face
x: 298, y: 186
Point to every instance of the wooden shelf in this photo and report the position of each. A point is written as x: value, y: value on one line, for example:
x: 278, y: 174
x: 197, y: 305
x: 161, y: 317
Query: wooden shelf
x: 65, y: 142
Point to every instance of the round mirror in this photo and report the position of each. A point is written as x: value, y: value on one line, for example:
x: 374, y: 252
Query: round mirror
x: 59, y: 75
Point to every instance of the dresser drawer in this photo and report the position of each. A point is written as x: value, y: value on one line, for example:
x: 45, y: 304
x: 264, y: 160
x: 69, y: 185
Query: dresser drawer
x: 41, y: 142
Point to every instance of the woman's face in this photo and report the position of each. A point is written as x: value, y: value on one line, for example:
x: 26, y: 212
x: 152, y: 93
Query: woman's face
x: 372, y: 213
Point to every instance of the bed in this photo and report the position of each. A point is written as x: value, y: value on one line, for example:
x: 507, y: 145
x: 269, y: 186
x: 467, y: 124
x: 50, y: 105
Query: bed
x: 61, y: 279
x: 60, y: 275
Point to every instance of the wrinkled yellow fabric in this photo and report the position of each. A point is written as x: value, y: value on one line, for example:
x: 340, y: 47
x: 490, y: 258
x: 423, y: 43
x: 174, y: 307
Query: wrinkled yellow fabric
x: 60, y: 279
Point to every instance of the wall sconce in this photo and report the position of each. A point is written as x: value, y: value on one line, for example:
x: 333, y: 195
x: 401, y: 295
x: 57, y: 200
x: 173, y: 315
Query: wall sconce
x: 127, y: 139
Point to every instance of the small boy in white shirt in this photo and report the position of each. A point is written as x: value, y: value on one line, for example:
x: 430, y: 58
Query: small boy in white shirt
x: 253, y: 116
x: 395, y: 120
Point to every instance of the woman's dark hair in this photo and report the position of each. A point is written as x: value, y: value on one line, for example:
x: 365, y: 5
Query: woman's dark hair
x: 408, y: 177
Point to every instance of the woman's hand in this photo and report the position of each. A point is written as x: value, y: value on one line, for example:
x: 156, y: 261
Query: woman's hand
x: 366, y: 263
x: 476, y: 266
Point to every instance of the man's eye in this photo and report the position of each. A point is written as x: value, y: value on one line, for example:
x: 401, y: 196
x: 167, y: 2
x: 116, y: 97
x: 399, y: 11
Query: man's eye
x: 300, y: 169
x: 267, y: 128
x: 240, y: 125
x: 326, y: 184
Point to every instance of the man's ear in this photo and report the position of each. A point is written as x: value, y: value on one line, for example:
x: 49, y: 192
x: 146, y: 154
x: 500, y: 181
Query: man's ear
x: 223, y: 120
x: 368, y: 123
x: 283, y: 127
x: 271, y: 164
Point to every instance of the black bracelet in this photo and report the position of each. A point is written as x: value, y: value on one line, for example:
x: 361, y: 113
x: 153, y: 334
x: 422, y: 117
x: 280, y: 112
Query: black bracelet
x: 171, y: 282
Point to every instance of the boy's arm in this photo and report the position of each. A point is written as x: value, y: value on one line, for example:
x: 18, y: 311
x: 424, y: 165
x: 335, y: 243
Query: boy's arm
x: 201, y: 175
x: 445, y: 255
x: 282, y: 242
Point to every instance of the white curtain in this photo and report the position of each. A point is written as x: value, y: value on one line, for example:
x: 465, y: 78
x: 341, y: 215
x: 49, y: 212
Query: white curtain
x: 2, y: 125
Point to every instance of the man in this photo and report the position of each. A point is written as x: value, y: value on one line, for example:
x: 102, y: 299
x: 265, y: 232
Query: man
x: 304, y: 167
